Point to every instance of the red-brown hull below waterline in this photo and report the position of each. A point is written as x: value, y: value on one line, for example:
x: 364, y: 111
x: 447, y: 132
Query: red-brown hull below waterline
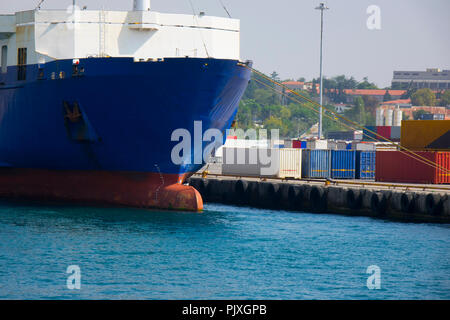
x: 133, y: 189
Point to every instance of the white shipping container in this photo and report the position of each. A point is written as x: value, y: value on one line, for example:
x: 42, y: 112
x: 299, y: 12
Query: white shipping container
x: 288, y: 144
x: 275, y: 143
x: 290, y: 163
x: 262, y: 162
x: 317, y: 145
x: 341, y: 145
x: 358, y: 135
x: 332, y: 145
x: 358, y: 146
x: 321, y: 145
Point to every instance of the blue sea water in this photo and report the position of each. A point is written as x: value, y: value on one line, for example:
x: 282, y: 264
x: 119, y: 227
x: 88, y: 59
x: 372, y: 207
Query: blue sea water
x: 224, y: 253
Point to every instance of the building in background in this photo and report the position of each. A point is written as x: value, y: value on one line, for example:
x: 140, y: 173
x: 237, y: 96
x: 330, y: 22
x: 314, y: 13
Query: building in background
x: 378, y: 94
x: 341, y: 107
x: 300, y: 85
x: 434, y: 79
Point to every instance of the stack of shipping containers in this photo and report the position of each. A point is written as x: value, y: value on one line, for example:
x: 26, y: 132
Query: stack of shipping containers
x: 428, y: 140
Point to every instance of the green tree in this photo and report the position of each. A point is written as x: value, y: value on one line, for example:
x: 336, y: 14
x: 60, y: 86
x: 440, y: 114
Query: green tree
x: 370, y: 104
x: 423, y: 97
x: 264, y: 96
x: 276, y: 123
x: 409, y: 92
x: 360, y: 111
x: 445, y: 98
x: 417, y: 114
x: 365, y: 84
x: 285, y: 113
x: 357, y: 113
x: 275, y: 76
x: 248, y: 113
x: 387, y: 96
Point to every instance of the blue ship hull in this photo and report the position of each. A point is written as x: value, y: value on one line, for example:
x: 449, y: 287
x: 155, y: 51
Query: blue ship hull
x: 113, y: 114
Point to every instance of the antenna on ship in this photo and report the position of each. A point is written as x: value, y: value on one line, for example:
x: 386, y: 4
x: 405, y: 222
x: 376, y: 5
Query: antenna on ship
x: 39, y: 5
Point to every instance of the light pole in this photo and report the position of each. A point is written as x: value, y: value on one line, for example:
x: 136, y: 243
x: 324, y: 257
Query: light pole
x: 321, y: 7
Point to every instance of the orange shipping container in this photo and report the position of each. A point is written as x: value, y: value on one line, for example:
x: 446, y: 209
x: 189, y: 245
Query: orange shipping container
x: 396, y: 166
x: 432, y: 135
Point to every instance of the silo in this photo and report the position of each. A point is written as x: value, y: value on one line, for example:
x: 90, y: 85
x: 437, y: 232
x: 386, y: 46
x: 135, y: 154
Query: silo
x: 389, y: 117
x: 380, y: 117
x: 398, y: 117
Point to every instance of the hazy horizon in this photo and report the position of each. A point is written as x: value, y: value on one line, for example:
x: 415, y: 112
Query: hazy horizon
x: 284, y: 36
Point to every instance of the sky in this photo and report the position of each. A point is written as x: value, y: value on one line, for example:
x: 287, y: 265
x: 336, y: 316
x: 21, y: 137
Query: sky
x: 284, y: 35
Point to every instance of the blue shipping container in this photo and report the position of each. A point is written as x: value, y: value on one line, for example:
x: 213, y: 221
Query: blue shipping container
x: 368, y: 136
x: 365, y: 164
x: 304, y: 144
x: 316, y: 163
x: 343, y: 164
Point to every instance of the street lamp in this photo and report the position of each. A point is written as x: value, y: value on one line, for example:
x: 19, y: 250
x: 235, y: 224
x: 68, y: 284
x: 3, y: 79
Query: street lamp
x: 321, y: 7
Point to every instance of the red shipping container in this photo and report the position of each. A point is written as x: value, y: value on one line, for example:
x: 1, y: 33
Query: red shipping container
x: 384, y: 131
x: 396, y: 166
x: 297, y: 144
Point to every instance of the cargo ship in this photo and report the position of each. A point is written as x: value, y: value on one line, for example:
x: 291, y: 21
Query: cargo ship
x: 89, y: 100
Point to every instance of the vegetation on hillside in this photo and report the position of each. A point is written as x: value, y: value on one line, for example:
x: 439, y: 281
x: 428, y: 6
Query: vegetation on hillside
x: 423, y: 97
x: 263, y: 105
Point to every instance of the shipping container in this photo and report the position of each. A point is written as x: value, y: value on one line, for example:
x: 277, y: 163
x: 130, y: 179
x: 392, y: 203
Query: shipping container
x: 396, y: 133
x: 358, y: 135
x: 384, y: 131
x: 288, y: 144
x: 368, y: 136
x: 342, y: 135
x: 430, y: 116
x: 316, y: 163
x: 317, y: 145
x: 365, y: 164
x: 426, y: 135
x: 343, y: 164
x: 277, y: 143
x: 397, y: 166
x: 361, y: 146
x: 290, y: 163
x: 297, y: 144
x: 247, y: 143
x: 341, y: 145
x: 262, y: 162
